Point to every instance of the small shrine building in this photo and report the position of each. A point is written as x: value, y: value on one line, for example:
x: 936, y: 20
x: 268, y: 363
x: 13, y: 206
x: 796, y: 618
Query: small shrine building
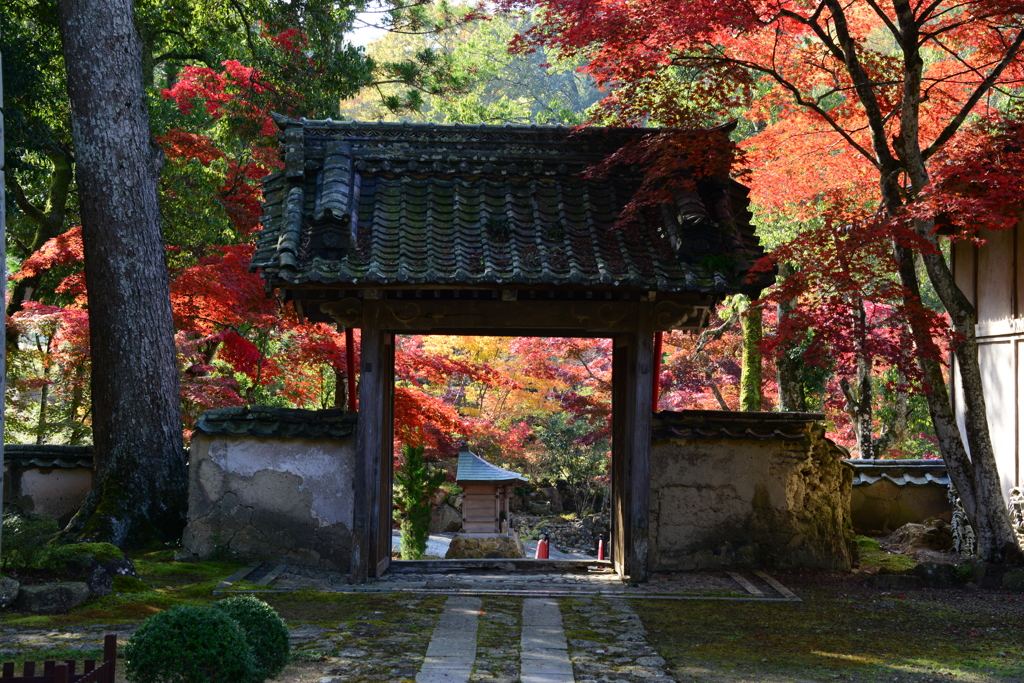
x: 485, y: 492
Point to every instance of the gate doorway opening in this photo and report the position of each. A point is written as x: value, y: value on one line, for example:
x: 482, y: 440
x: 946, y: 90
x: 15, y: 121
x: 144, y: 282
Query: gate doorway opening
x: 631, y: 411
x: 520, y: 429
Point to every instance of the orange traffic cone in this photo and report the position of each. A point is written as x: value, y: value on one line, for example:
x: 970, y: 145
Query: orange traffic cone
x: 600, y: 547
x: 542, y: 548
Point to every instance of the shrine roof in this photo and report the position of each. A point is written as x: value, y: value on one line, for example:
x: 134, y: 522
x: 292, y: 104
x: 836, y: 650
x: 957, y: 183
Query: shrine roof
x: 474, y: 468
x: 360, y: 205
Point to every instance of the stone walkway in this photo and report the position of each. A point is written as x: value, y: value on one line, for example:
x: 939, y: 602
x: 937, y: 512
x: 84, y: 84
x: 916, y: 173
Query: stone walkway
x: 532, y: 640
x: 452, y: 649
x: 543, y: 648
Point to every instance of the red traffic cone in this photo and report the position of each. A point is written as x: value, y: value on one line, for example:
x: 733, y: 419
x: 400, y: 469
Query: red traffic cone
x: 600, y: 547
x: 542, y: 548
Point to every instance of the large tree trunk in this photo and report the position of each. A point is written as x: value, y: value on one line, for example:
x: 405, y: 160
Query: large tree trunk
x: 140, y: 488
x: 975, y: 476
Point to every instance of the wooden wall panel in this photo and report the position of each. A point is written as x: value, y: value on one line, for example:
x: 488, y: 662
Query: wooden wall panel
x: 1018, y: 278
x: 963, y: 267
x: 999, y: 378
x: 995, y: 276
x: 1018, y: 359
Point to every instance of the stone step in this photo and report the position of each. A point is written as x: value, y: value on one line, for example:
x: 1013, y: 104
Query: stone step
x: 504, y: 565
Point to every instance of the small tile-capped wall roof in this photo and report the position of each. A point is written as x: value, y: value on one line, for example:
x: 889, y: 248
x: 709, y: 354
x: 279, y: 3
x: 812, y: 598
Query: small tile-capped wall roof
x: 474, y: 468
x: 719, y: 424
x: 47, y: 456
x: 280, y: 423
x: 364, y: 204
x: 899, y: 472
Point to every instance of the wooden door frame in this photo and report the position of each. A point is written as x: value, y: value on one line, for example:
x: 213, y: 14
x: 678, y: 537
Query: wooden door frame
x: 632, y: 383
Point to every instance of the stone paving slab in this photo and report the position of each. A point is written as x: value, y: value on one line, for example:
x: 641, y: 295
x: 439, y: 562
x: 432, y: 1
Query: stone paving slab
x: 543, y: 648
x: 452, y: 648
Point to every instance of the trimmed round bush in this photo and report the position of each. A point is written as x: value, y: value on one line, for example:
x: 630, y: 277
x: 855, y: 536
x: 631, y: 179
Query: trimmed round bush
x: 264, y: 631
x: 189, y: 645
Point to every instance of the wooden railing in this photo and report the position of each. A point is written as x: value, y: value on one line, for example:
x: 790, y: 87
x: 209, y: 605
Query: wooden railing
x: 64, y: 672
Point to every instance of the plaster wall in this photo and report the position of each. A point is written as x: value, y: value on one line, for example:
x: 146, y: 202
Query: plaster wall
x: 882, y: 507
x: 721, y: 502
x: 271, y: 498
x: 53, y: 492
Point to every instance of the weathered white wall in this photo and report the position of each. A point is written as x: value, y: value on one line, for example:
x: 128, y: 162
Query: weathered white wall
x: 54, y: 492
x: 271, y: 498
x: 719, y: 502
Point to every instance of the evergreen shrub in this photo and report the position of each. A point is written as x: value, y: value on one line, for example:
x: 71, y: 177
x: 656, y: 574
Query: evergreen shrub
x: 264, y: 631
x: 190, y: 645
x: 415, y: 485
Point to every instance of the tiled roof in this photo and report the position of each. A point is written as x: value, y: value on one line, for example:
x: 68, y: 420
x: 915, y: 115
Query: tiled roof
x: 899, y: 472
x: 280, y: 423
x: 501, y: 206
x: 48, y: 456
x: 723, y: 424
x: 474, y: 468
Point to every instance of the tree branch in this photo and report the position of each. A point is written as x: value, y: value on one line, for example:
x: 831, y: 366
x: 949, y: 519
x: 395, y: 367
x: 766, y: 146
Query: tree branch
x: 954, y: 124
x: 28, y: 208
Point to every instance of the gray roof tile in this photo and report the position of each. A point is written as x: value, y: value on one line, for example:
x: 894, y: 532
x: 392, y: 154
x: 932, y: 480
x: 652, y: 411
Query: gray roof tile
x: 899, y: 472
x: 279, y: 423
x: 48, y: 456
x: 425, y: 204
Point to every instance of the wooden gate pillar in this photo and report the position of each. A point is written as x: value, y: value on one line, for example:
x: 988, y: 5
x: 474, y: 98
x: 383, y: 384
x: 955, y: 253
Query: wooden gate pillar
x: 632, y: 383
x: 371, y: 536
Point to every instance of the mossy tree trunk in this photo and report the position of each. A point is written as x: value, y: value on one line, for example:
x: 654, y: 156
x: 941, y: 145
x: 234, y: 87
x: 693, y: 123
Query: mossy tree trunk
x: 140, y: 484
x: 750, y: 375
x: 792, y: 397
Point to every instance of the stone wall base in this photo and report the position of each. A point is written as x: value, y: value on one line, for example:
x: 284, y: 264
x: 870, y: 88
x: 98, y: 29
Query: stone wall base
x: 482, y: 547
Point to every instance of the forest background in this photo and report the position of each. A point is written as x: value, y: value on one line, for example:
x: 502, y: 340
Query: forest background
x: 213, y: 72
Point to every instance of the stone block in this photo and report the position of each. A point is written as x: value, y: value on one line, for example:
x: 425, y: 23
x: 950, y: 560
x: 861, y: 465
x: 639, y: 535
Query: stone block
x: 1013, y: 580
x: 941, y: 575
x: 465, y: 547
x: 52, y: 598
x: 9, y: 589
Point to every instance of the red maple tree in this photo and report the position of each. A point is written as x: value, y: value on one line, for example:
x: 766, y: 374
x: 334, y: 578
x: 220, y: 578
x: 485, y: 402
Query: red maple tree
x: 857, y: 99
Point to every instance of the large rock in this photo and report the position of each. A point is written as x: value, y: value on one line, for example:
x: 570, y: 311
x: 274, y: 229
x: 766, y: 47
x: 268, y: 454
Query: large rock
x: 52, y: 598
x: 96, y: 564
x: 8, y: 591
x: 551, y: 495
x: 445, y: 519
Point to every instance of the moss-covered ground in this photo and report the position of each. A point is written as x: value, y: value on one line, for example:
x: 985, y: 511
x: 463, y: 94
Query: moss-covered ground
x: 872, y: 555
x: 843, y: 631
